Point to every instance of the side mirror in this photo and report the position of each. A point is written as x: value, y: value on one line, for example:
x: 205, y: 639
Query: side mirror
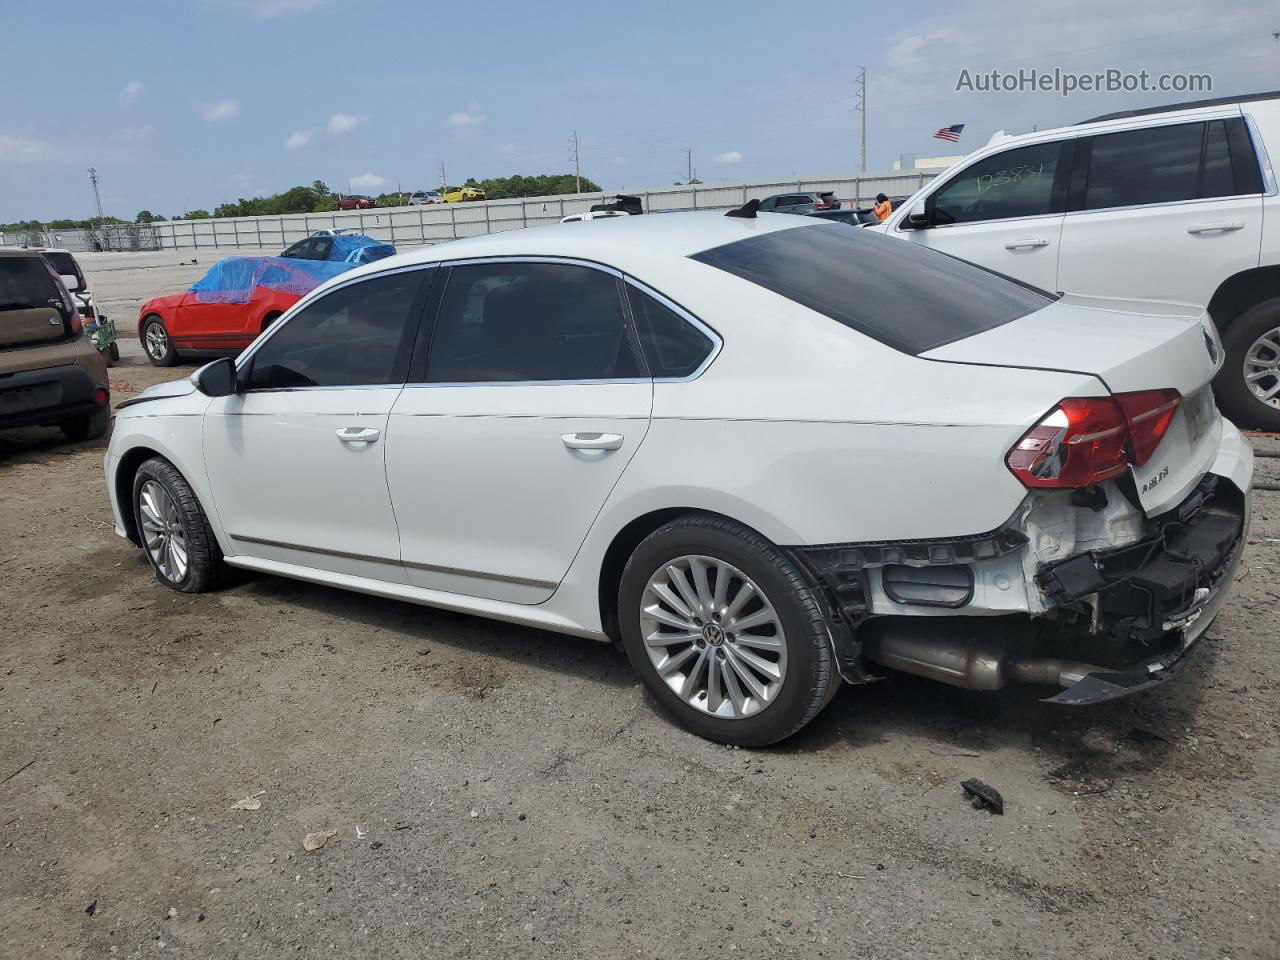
x: 71, y: 282
x: 918, y: 216
x: 217, y: 379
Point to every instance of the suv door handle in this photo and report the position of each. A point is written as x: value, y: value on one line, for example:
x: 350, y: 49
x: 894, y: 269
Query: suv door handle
x: 358, y: 434
x: 592, y: 441
x: 1025, y: 244
x: 1224, y: 227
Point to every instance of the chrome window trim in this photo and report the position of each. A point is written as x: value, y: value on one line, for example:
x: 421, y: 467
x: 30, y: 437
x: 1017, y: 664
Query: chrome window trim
x: 1269, y: 187
x: 1164, y: 204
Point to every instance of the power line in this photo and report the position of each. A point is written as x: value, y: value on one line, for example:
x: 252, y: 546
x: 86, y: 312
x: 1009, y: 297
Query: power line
x: 861, y: 107
x: 97, y: 199
x: 577, y: 167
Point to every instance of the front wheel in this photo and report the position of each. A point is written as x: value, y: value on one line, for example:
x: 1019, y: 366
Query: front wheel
x: 1248, y: 386
x: 725, y: 632
x: 174, y: 530
x: 155, y: 340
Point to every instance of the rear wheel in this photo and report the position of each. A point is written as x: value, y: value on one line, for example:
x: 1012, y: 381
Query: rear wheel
x: 725, y: 632
x: 174, y: 530
x: 1248, y: 387
x: 155, y: 340
x: 113, y: 351
x: 87, y: 427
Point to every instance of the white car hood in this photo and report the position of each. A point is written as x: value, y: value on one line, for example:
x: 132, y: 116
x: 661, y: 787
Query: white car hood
x: 161, y: 391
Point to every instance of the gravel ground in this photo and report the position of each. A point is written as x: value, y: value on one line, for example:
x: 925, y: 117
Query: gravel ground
x: 495, y: 791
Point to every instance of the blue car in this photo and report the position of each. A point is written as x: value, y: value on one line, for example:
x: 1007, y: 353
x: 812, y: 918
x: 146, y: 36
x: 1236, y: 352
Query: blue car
x: 339, y: 248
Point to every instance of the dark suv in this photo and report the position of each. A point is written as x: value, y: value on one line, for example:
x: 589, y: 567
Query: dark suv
x: 799, y: 202
x: 50, y: 373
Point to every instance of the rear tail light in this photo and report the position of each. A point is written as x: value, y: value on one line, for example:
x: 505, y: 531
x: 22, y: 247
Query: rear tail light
x: 100, y: 396
x: 74, y: 322
x: 1086, y: 440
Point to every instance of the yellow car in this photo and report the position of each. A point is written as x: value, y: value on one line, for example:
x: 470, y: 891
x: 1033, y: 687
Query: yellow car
x: 459, y: 194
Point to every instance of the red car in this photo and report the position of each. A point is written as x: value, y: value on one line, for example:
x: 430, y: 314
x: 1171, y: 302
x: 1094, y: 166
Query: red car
x: 199, y: 324
x: 356, y: 201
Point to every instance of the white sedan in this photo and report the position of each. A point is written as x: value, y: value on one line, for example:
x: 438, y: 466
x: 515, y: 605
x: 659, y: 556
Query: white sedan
x: 762, y: 454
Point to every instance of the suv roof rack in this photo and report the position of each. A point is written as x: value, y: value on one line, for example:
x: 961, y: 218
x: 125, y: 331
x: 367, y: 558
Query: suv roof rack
x: 1185, y: 105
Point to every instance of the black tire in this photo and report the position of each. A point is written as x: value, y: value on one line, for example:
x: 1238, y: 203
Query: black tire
x: 170, y: 356
x: 1234, y: 396
x: 88, y: 427
x: 113, y: 351
x: 810, y: 678
x: 205, y: 567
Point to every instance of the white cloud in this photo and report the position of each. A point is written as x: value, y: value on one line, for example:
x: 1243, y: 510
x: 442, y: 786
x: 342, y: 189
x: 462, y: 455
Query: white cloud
x: 299, y: 139
x: 619, y: 160
x: 506, y: 148
x: 367, y: 181
x: 137, y: 134
x: 19, y: 149
x: 342, y: 123
x: 473, y: 116
x: 130, y: 91
x: 222, y: 110
x: 268, y: 9
x: 732, y: 156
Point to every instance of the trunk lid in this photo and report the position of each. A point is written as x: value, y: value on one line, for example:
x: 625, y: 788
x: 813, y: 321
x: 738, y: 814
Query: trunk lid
x: 1129, y: 345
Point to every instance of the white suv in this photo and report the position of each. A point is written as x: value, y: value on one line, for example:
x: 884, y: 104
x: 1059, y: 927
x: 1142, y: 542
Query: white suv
x: 1176, y: 203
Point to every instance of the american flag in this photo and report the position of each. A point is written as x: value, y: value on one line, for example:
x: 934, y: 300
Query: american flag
x: 951, y: 133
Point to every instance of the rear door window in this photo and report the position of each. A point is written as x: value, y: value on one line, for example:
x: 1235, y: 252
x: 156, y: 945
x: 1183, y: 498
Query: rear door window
x: 903, y: 294
x: 521, y: 322
x: 673, y: 347
x: 1151, y: 165
x: 33, y: 307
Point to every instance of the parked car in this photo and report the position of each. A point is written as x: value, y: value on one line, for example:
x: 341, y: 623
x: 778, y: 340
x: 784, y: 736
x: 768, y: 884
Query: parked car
x: 462, y: 194
x: 1177, y: 203
x: 799, y: 202
x: 100, y: 330
x: 856, y: 218
x: 228, y: 307
x: 339, y: 246
x: 708, y: 444
x: 356, y: 201
x: 421, y: 198
x: 50, y: 372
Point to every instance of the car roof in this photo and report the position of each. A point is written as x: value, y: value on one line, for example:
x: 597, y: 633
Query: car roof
x: 1185, y: 105
x: 617, y: 241
x: 20, y: 252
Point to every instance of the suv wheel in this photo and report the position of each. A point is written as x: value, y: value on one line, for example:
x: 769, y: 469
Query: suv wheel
x: 174, y: 530
x: 725, y: 632
x: 1248, y: 387
x: 88, y: 427
x: 155, y: 340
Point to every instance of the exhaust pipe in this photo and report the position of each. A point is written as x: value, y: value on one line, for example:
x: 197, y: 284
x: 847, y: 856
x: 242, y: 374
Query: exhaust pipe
x: 934, y: 648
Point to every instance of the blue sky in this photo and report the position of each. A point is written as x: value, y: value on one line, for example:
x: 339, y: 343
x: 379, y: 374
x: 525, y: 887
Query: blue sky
x: 196, y: 102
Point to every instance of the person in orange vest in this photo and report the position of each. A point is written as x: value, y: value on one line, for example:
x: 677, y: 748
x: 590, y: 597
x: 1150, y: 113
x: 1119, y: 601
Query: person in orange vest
x: 882, y: 208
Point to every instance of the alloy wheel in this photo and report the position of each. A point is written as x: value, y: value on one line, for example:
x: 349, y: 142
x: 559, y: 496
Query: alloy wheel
x: 713, y: 636
x: 157, y: 341
x: 162, y: 531
x: 1262, y: 368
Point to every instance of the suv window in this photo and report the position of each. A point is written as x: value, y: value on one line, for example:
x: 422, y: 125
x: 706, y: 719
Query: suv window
x: 33, y: 307
x: 1152, y: 165
x: 673, y: 347
x: 1216, y: 179
x: 65, y: 265
x: 355, y: 336
x: 502, y: 322
x: 298, y: 251
x: 1015, y: 183
x: 903, y: 294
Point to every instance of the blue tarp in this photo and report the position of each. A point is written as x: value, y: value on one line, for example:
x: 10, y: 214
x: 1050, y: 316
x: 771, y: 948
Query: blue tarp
x: 348, y: 247
x: 234, y: 280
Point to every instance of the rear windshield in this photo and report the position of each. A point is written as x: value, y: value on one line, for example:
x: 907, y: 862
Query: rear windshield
x: 66, y: 265
x: 900, y: 293
x: 32, y: 307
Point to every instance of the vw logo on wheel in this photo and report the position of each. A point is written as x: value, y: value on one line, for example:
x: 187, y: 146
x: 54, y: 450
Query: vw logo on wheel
x: 713, y: 634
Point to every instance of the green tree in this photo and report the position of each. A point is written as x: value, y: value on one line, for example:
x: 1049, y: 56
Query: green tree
x: 542, y: 185
x: 146, y: 216
x: 196, y: 215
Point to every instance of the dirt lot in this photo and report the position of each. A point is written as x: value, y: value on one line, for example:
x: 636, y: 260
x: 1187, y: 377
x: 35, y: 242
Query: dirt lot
x: 501, y: 792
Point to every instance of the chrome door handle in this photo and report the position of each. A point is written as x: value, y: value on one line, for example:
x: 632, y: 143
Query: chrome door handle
x: 1025, y: 244
x: 1224, y: 227
x: 358, y: 434
x: 592, y: 441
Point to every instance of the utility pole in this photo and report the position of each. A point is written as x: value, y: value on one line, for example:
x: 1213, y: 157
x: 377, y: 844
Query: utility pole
x: 97, y: 200
x: 443, y: 182
x: 861, y: 107
x: 577, y: 167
